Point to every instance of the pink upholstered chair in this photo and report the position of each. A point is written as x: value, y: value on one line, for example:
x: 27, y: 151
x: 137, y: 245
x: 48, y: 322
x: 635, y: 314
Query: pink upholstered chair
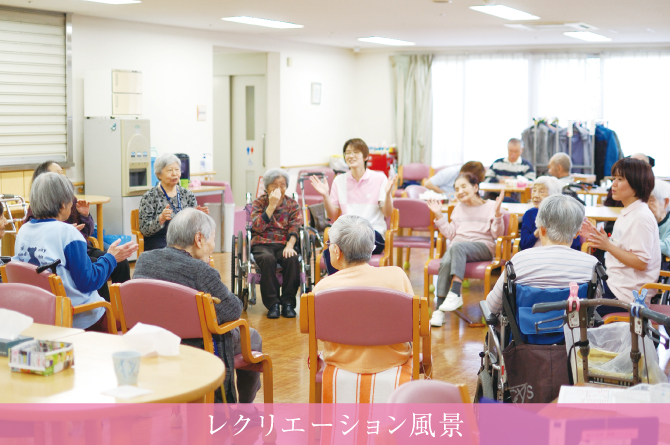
x: 188, y: 314
x: 412, y: 172
x: 40, y: 304
x: 26, y: 273
x: 311, y: 196
x: 430, y: 391
x: 477, y: 270
x: 414, y: 215
x: 365, y: 316
x: 414, y: 191
x: 379, y: 260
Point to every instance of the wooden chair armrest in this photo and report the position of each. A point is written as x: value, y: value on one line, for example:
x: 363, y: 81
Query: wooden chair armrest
x: 245, y: 338
x: 665, y: 273
x: 111, y: 319
x: 94, y: 242
x: 304, y: 321
x: 586, y: 247
x: 424, y: 317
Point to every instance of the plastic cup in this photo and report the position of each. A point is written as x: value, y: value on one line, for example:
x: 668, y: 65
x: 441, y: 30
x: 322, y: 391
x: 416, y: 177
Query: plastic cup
x: 126, y: 367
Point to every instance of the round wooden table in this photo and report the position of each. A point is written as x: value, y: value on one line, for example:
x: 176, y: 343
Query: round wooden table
x: 187, y: 377
x: 97, y: 201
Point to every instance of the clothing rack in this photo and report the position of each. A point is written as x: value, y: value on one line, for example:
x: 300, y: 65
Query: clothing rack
x: 570, y: 129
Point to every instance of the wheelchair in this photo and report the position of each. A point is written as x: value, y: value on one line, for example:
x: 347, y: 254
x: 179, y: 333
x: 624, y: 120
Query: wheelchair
x: 492, y: 379
x: 245, y: 273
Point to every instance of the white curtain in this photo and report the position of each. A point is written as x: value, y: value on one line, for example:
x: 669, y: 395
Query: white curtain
x: 636, y: 94
x: 413, y: 104
x: 566, y: 86
x: 480, y: 102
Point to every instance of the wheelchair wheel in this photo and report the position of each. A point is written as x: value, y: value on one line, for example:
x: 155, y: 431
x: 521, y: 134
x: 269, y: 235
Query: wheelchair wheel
x: 233, y: 267
x: 484, y: 386
x: 241, y: 292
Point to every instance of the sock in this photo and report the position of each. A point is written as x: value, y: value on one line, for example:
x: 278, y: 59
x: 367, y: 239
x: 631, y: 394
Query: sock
x: 456, y: 287
x: 439, y: 301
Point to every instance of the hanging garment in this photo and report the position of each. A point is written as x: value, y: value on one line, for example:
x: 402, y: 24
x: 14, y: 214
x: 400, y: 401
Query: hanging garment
x: 581, y: 146
x: 613, y: 152
x: 539, y: 154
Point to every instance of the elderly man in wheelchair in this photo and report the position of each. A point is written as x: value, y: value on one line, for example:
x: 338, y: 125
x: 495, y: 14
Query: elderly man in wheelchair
x: 276, y: 221
x: 542, y: 274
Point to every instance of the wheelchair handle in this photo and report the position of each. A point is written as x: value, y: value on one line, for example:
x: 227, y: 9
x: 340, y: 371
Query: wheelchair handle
x: 51, y: 266
x: 548, y: 307
x: 305, y: 176
x: 601, y: 271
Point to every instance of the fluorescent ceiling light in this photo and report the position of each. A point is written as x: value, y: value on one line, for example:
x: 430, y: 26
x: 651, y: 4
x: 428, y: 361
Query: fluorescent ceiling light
x: 588, y: 36
x: 385, y: 41
x: 262, y: 22
x: 505, y: 12
x: 115, y: 2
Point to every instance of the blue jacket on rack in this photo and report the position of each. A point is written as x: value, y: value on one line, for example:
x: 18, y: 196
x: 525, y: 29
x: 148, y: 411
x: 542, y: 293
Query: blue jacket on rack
x: 604, y: 133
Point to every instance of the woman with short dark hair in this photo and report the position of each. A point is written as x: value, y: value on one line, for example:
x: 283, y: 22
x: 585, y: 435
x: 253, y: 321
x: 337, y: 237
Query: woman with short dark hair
x: 633, y: 252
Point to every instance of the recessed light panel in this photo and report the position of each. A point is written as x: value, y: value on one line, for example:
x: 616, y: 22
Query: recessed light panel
x: 505, y: 12
x: 386, y: 41
x: 587, y: 36
x: 115, y: 2
x: 262, y: 22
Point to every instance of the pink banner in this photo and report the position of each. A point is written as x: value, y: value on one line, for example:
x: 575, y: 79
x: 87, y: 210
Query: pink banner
x: 334, y: 424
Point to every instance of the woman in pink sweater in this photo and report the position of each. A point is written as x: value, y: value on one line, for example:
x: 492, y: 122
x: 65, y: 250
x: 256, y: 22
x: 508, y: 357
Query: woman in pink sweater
x: 475, y: 225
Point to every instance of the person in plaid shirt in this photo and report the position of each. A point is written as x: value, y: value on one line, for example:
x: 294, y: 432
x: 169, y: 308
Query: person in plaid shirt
x: 275, y: 225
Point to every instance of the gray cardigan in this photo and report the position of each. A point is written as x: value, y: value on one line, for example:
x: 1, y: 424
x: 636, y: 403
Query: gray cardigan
x: 177, y: 266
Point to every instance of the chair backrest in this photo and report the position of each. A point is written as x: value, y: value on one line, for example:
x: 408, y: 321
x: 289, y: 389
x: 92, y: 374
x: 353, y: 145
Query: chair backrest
x: 413, y: 191
x: 135, y: 219
x: 42, y: 305
x: 414, y: 213
x: 365, y: 316
x: 171, y: 306
x: 26, y: 273
x: 309, y: 189
x: 430, y: 391
x: 415, y: 171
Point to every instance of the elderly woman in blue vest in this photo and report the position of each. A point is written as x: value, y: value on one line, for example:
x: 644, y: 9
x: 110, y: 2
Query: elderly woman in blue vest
x: 160, y: 204
x: 45, y: 239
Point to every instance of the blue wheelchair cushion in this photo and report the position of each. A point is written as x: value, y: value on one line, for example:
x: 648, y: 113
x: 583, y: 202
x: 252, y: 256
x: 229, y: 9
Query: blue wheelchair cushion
x: 526, y: 297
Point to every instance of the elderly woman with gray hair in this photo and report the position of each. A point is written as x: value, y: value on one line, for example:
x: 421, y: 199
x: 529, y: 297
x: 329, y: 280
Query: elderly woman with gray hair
x: 275, y: 227
x: 184, y: 261
x: 352, y: 240
x: 554, y: 264
x: 543, y: 187
x: 160, y: 204
x: 45, y: 239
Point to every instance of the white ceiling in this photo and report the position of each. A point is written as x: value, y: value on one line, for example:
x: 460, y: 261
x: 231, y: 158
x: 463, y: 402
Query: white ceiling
x: 427, y: 23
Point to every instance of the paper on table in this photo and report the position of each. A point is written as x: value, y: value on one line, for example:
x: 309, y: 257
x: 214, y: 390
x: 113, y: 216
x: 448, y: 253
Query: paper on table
x: 151, y: 340
x: 12, y: 323
x: 126, y: 392
x: 430, y: 194
x: 587, y: 394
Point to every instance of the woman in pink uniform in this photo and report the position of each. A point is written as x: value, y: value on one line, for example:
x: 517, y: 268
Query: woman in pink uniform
x: 633, y: 253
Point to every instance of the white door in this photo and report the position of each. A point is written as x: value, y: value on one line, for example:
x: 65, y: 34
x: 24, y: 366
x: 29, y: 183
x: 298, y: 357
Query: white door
x: 248, y: 134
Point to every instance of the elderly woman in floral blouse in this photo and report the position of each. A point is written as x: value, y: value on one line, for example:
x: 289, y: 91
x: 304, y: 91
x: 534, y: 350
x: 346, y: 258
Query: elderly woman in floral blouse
x: 160, y: 204
x: 276, y: 221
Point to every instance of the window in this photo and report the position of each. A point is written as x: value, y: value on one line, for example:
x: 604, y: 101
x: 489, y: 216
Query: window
x: 34, y: 80
x: 479, y: 102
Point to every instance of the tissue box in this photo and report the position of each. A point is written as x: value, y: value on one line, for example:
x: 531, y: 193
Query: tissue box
x: 6, y: 344
x: 41, y: 357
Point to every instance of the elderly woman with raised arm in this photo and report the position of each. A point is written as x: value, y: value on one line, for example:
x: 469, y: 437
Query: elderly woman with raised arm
x: 45, y: 239
x: 184, y: 261
x: 352, y: 240
x: 275, y: 228
x: 554, y: 264
x: 160, y: 204
x: 474, y: 227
